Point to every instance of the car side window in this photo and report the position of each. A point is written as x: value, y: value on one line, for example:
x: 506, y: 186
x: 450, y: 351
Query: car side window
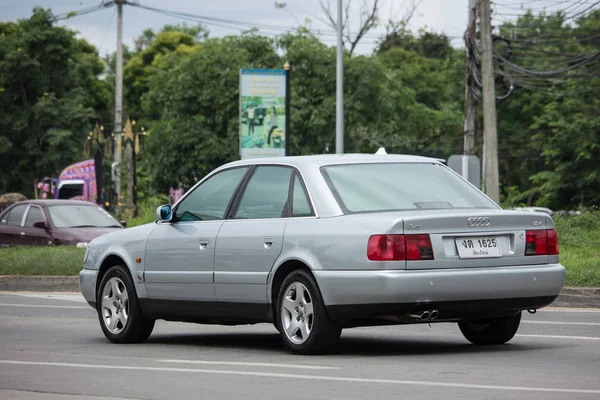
x: 16, y: 215
x: 300, y: 203
x: 34, y: 214
x: 266, y: 195
x: 209, y: 201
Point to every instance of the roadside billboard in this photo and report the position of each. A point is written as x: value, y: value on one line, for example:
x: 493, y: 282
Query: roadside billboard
x: 262, y: 113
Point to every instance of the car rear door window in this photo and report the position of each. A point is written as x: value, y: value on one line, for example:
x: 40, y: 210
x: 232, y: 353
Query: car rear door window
x: 266, y: 194
x: 300, y: 203
x: 16, y: 215
x: 210, y: 199
x: 33, y: 215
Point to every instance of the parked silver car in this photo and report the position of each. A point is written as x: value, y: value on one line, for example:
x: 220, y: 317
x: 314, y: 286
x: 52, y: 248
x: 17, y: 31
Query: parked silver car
x: 320, y: 243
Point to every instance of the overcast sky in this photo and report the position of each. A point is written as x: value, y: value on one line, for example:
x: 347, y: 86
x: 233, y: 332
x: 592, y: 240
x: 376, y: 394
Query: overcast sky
x: 447, y: 16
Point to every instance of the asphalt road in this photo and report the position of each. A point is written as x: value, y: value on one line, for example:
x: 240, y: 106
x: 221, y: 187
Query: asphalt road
x: 51, y: 347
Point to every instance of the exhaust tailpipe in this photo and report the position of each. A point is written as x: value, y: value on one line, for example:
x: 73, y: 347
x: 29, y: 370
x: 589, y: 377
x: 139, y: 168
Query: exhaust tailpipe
x: 423, y: 316
x: 427, y: 315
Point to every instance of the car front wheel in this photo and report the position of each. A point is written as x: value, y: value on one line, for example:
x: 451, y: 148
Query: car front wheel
x: 302, y: 320
x: 119, y: 311
x: 487, y: 331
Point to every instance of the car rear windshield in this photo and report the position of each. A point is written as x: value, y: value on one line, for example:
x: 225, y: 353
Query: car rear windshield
x: 81, y: 216
x: 400, y: 186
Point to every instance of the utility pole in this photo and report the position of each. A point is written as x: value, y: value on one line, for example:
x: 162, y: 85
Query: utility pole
x: 339, y: 115
x: 118, y: 102
x: 288, y: 111
x: 129, y: 138
x: 470, y: 102
x: 490, y: 135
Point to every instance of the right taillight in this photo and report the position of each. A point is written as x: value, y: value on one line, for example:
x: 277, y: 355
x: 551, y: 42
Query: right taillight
x: 399, y: 248
x: 541, y: 242
x: 552, y: 242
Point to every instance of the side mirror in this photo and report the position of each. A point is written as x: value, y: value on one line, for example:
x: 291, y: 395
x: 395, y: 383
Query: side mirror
x: 40, y: 224
x: 123, y: 224
x: 164, y: 213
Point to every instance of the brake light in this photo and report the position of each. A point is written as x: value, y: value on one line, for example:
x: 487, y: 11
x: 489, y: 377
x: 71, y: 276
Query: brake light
x: 541, y: 242
x: 386, y: 248
x: 418, y: 247
x: 553, y: 248
x: 399, y: 248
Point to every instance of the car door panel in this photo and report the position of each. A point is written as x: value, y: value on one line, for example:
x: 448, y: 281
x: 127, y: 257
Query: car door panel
x: 246, y: 252
x: 180, y: 254
x: 177, y: 265
x: 35, y: 236
x: 250, y: 242
x: 12, y: 233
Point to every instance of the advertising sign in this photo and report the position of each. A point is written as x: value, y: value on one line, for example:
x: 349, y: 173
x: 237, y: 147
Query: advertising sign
x: 262, y: 113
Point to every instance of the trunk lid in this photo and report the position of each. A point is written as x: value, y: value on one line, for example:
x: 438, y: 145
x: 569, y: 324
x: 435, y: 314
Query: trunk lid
x: 474, y: 238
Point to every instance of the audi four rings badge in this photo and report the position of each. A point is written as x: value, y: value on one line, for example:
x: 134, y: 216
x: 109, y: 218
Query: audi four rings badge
x: 478, y: 221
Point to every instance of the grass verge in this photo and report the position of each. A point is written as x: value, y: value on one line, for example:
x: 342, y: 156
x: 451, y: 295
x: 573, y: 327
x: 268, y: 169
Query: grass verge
x: 579, y: 237
x: 60, y: 260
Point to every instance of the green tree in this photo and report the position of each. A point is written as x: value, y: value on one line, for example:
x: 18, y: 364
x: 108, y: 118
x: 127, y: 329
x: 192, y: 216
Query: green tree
x: 49, y: 96
x: 549, y: 128
x: 194, y: 98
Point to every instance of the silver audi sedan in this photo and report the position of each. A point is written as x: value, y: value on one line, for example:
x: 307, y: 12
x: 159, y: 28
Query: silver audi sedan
x: 320, y: 243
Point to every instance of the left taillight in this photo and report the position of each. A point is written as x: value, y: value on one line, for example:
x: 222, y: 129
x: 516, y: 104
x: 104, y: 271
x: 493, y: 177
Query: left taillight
x: 541, y: 242
x: 399, y: 248
x: 386, y: 248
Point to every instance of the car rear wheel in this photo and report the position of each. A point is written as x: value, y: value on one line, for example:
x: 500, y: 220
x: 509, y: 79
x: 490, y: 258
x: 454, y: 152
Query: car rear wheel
x: 491, y: 330
x: 119, y: 311
x: 302, y: 320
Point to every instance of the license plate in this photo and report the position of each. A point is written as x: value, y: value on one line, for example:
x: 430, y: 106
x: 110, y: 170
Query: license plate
x: 478, y: 247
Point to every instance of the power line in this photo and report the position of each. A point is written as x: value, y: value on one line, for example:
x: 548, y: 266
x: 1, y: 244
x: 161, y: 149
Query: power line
x: 107, y: 29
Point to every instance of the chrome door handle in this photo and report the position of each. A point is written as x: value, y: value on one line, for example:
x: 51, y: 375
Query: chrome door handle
x: 22, y: 233
x: 203, y: 243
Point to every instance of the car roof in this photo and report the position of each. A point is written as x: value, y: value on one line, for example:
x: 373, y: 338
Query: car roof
x: 334, y: 159
x: 52, y: 202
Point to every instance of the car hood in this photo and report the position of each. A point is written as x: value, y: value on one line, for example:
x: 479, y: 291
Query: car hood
x: 122, y: 236
x: 84, y: 234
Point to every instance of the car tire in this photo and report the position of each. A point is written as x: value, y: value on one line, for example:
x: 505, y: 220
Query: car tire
x: 302, y: 319
x: 118, y: 307
x: 489, y: 331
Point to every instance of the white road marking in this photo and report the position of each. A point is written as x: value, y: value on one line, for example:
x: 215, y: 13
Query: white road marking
x: 66, y: 297
x: 561, y: 323
x: 571, y: 310
x: 307, y: 377
x: 40, y: 306
x: 249, y: 364
x: 561, y: 337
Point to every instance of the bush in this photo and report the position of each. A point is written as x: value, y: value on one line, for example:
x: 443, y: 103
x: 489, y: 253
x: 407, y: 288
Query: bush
x: 579, y: 238
x: 147, y: 210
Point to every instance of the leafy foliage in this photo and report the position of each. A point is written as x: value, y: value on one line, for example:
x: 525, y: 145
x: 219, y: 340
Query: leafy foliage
x: 408, y: 96
x: 50, y: 95
x: 549, y: 129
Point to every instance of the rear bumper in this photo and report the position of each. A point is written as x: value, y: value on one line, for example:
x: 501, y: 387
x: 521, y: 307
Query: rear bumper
x: 87, y: 285
x: 477, y: 291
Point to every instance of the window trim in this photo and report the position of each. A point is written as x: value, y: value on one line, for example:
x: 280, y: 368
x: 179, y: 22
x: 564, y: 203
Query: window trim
x: 27, y: 214
x: 12, y: 208
x: 346, y: 211
x: 242, y: 191
x: 305, y: 192
x: 175, y: 207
